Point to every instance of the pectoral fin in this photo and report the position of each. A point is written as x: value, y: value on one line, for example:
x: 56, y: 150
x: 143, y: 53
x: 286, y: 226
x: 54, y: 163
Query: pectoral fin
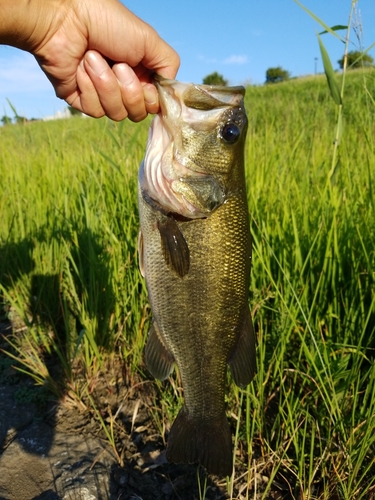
x: 159, y: 359
x: 242, y: 361
x: 175, y: 249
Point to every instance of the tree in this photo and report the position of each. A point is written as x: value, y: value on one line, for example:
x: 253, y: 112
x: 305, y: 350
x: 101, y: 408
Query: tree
x: 276, y: 75
x: 6, y: 120
x: 357, y: 59
x: 215, y: 79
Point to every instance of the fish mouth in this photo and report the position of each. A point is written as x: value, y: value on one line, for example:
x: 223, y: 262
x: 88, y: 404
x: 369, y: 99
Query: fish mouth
x: 199, y: 97
x: 190, y: 102
x: 168, y: 176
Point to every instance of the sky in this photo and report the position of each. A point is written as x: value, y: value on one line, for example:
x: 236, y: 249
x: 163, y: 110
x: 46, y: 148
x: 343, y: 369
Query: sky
x: 239, y: 39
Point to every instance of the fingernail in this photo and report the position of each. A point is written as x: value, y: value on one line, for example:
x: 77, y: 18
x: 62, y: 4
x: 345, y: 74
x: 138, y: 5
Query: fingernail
x: 125, y: 74
x: 96, y: 63
x: 150, y: 94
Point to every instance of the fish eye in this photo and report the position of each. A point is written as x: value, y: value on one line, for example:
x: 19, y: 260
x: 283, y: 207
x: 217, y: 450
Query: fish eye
x: 230, y: 133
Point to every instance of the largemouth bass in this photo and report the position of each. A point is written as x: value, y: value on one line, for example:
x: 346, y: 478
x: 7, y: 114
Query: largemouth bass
x: 195, y: 253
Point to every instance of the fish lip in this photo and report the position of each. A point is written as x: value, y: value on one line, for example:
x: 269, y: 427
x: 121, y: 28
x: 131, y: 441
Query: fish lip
x: 157, y: 79
x: 170, y: 102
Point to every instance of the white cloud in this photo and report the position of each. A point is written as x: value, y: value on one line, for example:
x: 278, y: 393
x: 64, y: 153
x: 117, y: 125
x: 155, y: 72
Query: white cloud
x: 236, y: 59
x: 19, y: 72
x: 233, y: 59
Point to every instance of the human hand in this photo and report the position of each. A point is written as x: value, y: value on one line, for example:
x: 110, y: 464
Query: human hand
x: 72, y: 40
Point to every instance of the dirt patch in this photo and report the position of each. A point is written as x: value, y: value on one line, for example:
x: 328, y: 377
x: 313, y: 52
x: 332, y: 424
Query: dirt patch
x: 58, y: 450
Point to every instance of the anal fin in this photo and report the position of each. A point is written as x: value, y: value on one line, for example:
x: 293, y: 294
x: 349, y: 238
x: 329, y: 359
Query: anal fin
x: 243, y: 360
x: 159, y: 359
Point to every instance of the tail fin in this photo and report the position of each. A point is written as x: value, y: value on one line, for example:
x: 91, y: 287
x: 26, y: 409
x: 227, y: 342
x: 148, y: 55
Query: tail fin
x: 208, y: 442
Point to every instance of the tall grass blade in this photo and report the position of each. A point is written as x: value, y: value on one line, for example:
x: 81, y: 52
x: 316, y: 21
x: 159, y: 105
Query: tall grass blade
x: 330, y: 74
x: 12, y: 108
x: 337, y: 27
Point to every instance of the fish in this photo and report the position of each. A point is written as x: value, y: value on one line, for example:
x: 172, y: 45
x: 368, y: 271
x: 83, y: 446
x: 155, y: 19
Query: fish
x: 195, y: 254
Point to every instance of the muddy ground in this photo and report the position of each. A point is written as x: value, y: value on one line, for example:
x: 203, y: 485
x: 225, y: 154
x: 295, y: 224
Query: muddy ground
x: 58, y: 450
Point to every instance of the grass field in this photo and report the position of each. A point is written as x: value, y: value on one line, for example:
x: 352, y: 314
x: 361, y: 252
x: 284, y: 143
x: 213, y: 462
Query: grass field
x: 68, y: 267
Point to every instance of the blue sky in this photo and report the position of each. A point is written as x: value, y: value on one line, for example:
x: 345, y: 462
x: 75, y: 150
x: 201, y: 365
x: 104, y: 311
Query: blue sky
x: 240, y: 39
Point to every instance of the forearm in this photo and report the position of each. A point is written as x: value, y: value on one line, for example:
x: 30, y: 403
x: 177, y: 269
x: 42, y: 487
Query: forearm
x: 24, y: 23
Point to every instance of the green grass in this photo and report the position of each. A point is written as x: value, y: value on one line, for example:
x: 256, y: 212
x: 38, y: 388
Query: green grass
x: 68, y: 266
x: 68, y: 240
x: 313, y: 284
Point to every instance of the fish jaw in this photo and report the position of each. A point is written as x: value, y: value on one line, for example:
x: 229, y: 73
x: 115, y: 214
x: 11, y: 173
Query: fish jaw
x: 170, y: 183
x: 176, y: 181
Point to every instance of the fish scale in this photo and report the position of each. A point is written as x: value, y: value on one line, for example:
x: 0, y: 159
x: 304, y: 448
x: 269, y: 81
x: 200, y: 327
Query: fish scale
x: 201, y: 318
